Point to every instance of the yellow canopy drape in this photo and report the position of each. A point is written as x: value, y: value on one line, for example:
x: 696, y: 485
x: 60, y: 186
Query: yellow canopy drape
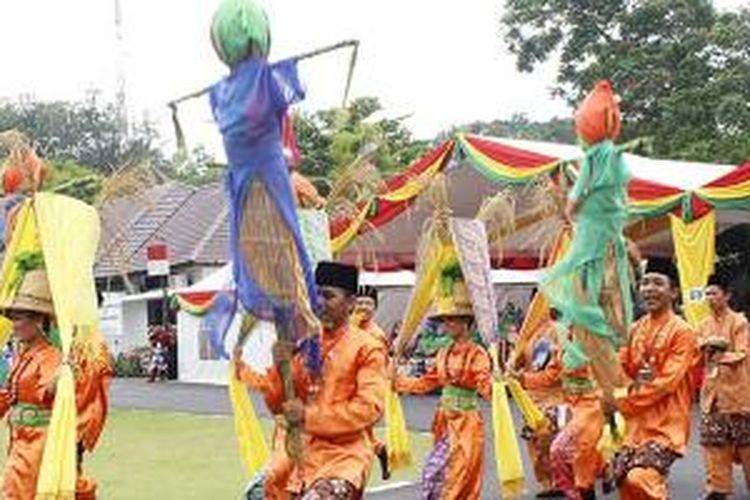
x: 695, y: 248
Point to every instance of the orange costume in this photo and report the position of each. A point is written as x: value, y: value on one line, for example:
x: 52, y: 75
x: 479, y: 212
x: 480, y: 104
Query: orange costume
x: 27, y: 400
x: 340, y: 409
x: 279, y: 467
x: 574, y: 459
x: 659, y: 356
x: 93, y: 376
x: 373, y: 330
x: 454, y: 469
x: 725, y: 400
x: 545, y: 389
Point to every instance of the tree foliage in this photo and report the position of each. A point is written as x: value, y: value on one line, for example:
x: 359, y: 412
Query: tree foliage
x: 519, y: 126
x: 680, y: 66
x: 332, y: 139
x: 86, y: 132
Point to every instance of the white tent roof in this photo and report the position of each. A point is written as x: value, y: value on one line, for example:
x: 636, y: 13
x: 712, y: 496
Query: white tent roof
x: 675, y: 173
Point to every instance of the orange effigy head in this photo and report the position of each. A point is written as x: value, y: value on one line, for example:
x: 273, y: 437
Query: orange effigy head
x: 598, y: 116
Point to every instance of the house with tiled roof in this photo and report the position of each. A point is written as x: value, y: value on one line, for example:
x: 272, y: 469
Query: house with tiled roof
x: 192, y: 222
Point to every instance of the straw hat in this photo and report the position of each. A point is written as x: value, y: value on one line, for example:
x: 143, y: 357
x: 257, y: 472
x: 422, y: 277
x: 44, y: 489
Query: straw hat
x: 33, y: 294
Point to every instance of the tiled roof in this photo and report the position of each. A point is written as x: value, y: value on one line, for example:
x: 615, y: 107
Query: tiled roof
x: 192, y: 222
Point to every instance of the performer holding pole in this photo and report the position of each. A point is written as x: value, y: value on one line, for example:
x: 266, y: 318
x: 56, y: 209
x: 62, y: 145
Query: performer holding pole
x: 272, y: 270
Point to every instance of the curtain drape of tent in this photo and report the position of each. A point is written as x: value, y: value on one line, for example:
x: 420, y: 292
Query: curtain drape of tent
x: 509, y: 165
x: 731, y: 191
x: 648, y: 199
x: 505, y: 164
x: 695, y: 248
x: 398, y: 193
x: 195, y: 304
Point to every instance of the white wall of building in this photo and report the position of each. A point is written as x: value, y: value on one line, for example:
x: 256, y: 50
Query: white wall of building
x: 198, y: 364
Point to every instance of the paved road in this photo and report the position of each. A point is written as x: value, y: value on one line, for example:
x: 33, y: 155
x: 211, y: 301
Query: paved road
x: 686, y: 480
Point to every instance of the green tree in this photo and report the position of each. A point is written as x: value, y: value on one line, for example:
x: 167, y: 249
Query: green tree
x: 197, y: 168
x: 72, y: 179
x: 85, y: 132
x: 331, y: 139
x: 519, y: 126
x: 680, y: 66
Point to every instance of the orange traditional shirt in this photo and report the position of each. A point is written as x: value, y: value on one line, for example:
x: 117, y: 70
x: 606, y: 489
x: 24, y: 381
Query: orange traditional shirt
x: 726, y: 387
x: 93, y: 378
x: 28, y: 399
x: 372, y: 329
x: 659, y: 409
x: 340, y: 408
x: 464, y: 366
x: 546, y: 388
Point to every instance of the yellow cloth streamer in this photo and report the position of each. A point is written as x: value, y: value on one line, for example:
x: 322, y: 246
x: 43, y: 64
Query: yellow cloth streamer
x: 507, y: 453
x: 253, y: 447
x: 695, y: 248
x: 532, y: 415
x: 69, y: 237
x: 23, y: 239
x: 610, y: 442
x: 424, y: 291
x: 396, y: 435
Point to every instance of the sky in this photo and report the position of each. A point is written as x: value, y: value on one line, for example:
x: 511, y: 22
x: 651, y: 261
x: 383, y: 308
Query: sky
x: 442, y: 62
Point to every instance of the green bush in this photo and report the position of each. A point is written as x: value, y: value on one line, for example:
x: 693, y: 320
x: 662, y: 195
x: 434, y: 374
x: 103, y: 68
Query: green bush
x: 133, y: 363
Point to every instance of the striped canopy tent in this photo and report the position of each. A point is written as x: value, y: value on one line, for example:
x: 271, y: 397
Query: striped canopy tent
x: 385, y: 232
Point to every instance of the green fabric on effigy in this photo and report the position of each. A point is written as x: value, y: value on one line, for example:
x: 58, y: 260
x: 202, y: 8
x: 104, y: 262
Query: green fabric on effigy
x: 574, y: 284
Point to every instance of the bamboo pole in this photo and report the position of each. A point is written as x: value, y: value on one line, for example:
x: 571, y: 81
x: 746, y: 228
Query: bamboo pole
x: 354, y: 44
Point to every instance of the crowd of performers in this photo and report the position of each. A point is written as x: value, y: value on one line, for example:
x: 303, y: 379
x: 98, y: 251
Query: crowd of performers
x: 596, y: 373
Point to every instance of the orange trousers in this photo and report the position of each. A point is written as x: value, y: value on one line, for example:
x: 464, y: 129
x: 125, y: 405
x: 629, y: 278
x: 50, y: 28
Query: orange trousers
x: 719, y: 462
x: 644, y: 484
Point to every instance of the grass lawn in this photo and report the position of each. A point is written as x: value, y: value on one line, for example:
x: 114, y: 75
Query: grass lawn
x: 158, y: 455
